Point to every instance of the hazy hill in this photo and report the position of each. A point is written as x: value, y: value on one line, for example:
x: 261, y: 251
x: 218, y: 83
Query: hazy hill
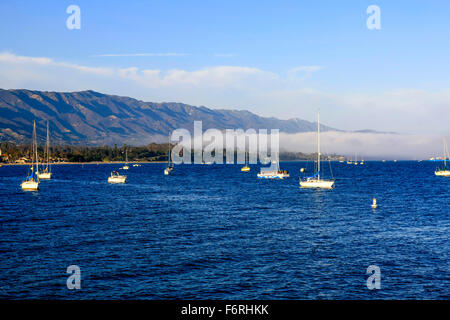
x: 93, y: 118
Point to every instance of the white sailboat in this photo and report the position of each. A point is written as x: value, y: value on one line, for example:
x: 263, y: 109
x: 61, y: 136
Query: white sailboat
x: 315, y: 181
x: 170, y: 165
x: 444, y: 172
x: 32, y: 181
x: 115, y: 177
x: 46, y: 172
x: 126, y: 167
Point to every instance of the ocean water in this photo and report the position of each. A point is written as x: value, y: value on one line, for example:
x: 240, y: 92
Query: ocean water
x: 213, y: 232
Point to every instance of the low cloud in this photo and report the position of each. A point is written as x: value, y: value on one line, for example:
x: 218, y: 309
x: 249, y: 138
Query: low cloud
x: 366, y: 145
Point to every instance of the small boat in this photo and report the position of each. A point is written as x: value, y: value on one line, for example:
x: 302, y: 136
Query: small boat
x: 115, y: 177
x: 46, y: 172
x: 315, y: 181
x: 126, y: 167
x: 443, y: 172
x: 273, y: 172
x: 245, y: 168
x: 32, y: 181
x: 170, y: 165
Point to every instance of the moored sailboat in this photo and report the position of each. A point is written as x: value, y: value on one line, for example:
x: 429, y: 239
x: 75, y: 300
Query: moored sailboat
x: 444, y: 172
x: 32, y: 181
x: 126, y: 167
x: 170, y: 165
x: 246, y: 168
x: 46, y: 172
x: 315, y: 181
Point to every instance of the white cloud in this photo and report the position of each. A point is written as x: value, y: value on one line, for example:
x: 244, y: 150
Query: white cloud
x: 167, y: 54
x: 10, y: 58
x: 303, y: 72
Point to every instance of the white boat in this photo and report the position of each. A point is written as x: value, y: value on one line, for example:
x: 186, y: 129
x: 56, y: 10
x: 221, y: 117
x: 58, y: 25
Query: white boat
x: 136, y: 165
x: 115, y: 177
x: 126, y: 167
x: 46, y: 172
x: 170, y: 165
x: 315, y: 181
x: 32, y: 181
x: 444, y: 172
x: 273, y: 172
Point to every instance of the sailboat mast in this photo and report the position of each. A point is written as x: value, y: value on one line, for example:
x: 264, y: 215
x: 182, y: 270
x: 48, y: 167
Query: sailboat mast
x: 48, y: 148
x: 169, y: 155
x: 445, y: 152
x: 318, y: 145
x: 35, y: 148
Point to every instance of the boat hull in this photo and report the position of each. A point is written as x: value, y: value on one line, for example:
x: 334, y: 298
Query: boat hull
x: 117, y: 179
x: 272, y: 176
x: 30, y: 185
x: 45, y: 175
x: 318, y: 184
x: 442, y: 173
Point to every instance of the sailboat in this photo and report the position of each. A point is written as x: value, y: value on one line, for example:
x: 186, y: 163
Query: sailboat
x: 32, y: 181
x: 126, y: 167
x: 246, y: 168
x: 46, y: 172
x: 170, y: 166
x: 444, y: 172
x: 315, y: 181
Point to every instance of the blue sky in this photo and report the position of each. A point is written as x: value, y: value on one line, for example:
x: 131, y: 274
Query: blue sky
x: 243, y: 54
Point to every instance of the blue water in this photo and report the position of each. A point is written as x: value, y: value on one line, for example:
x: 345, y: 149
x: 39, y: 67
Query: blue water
x: 212, y: 232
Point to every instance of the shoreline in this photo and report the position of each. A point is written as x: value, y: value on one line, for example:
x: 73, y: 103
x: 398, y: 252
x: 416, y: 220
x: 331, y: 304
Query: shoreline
x: 159, y: 162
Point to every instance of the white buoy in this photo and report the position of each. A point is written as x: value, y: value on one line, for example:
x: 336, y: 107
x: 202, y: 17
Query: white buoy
x: 374, y: 203
x: 302, y: 169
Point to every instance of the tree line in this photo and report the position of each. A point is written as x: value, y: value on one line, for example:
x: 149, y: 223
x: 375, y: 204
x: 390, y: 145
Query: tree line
x: 152, y: 152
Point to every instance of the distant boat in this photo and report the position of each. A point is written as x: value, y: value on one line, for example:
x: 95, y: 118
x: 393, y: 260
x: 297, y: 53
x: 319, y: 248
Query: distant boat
x: 315, y: 181
x: 46, y: 172
x: 443, y: 172
x: 126, y: 167
x: 115, y: 177
x: 32, y: 181
x: 245, y: 168
x: 136, y: 165
x: 273, y: 172
x: 170, y: 165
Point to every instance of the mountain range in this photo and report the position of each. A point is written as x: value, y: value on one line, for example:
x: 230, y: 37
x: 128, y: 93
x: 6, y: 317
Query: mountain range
x: 93, y: 118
